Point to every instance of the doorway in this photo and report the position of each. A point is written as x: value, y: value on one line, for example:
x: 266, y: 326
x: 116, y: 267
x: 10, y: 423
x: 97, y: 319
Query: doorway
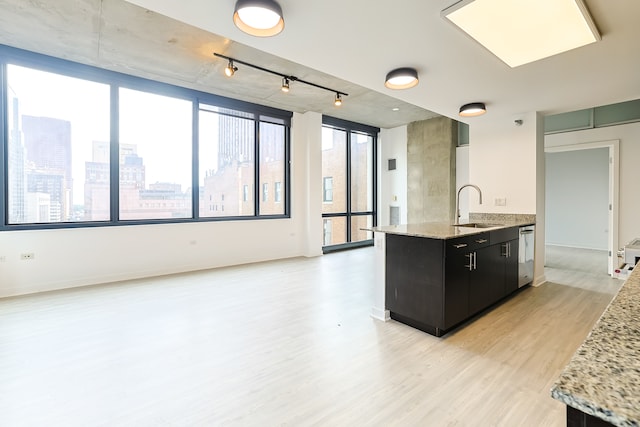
x: 582, y: 200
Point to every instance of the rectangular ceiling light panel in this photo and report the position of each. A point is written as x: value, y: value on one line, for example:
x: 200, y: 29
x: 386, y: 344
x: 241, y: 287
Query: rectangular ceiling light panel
x: 523, y: 31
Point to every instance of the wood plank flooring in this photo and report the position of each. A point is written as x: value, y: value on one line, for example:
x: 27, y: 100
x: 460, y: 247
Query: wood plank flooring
x: 285, y: 343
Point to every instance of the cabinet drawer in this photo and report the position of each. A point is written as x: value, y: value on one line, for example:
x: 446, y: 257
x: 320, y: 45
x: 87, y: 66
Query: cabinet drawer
x: 503, y: 235
x: 466, y: 243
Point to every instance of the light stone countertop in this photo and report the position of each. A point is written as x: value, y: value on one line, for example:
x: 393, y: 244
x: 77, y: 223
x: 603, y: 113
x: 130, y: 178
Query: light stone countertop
x: 603, y: 377
x: 443, y: 230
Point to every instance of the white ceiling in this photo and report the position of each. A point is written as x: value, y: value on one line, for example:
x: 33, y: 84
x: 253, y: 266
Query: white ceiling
x: 348, y: 45
x: 359, y: 41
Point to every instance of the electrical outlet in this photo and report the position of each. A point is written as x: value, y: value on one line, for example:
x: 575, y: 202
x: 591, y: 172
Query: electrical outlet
x: 501, y: 201
x: 27, y: 256
x: 3, y: 258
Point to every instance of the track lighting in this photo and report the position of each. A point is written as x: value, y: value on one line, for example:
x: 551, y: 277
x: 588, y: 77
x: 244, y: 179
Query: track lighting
x: 285, y: 84
x: 473, y: 109
x: 261, y: 18
x: 401, y: 78
x: 286, y: 79
x: 231, y: 69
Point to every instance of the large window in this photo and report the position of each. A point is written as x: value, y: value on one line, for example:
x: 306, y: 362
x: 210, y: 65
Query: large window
x: 89, y: 147
x: 155, y: 156
x: 349, y: 183
x: 58, y: 148
x: 227, y: 166
x: 272, y: 166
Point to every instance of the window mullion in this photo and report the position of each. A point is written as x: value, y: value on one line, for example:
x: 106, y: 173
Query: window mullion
x: 114, y: 155
x: 256, y: 165
x: 4, y: 153
x: 348, y: 183
x: 195, y: 151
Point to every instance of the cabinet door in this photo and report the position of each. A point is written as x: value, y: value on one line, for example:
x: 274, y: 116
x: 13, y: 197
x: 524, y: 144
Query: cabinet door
x: 456, y: 288
x: 486, y: 281
x: 511, y: 267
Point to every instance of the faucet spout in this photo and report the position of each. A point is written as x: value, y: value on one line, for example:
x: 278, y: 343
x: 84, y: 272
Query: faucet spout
x: 457, y: 221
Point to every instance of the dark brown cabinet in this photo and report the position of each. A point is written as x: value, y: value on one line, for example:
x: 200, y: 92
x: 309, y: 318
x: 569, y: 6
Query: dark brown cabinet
x: 463, y: 273
x: 435, y: 284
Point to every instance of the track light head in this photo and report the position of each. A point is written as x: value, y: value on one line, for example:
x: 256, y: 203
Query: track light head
x: 285, y: 84
x: 338, y: 101
x: 231, y: 69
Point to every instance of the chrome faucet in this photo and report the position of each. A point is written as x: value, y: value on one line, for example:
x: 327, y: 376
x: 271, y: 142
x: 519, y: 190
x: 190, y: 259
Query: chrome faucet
x: 457, y: 221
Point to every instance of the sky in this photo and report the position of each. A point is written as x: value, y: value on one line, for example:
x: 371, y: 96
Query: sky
x: 159, y: 125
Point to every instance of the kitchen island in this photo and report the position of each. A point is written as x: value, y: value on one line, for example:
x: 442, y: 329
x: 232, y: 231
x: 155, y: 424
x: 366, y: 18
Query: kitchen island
x: 437, y: 275
x: 601, y: 383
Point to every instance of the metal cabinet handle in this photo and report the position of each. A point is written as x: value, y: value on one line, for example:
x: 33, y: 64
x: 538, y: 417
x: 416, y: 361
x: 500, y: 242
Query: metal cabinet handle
x: 470, y: 256
x: 509, y: 250
x: 460, y: 245
x: 482, y: 241
x: 475, y: 260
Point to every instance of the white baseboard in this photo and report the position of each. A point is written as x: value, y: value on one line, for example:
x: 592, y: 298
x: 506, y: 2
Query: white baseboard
x: 539, y: 281
x: 379, y: 314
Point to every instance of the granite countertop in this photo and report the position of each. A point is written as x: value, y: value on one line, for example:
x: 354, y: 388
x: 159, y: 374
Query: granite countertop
x: 603, y: 377
x: 444, y: 230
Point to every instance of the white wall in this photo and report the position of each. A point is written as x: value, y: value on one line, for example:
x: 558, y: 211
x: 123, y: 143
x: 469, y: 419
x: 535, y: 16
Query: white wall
x: 76, y: 257
x: 393, y: 184
x: 502, y: 162
x: 629, y: 136
x: 507, y: 162
x: 577, y: 198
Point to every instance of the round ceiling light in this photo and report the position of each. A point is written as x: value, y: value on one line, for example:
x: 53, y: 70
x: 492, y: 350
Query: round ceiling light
x: 401, y: 78
x: 473, y: 109
x: 262, y: 18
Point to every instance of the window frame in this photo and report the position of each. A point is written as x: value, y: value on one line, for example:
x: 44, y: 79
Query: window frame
x: 352, y: 127
x: 116, y: 80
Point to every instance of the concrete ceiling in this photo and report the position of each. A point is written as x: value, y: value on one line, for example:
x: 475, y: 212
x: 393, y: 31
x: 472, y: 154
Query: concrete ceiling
x: 346, y: 45
x: 120, y: 36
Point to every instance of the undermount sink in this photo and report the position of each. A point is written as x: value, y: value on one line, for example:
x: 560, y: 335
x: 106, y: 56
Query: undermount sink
x: 476, y: 225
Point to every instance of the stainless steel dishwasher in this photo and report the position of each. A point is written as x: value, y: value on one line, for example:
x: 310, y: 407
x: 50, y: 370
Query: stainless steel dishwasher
x: 525, y: 255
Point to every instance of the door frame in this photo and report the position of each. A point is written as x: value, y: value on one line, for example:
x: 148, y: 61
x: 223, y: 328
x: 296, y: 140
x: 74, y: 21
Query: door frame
x: 614, y: 189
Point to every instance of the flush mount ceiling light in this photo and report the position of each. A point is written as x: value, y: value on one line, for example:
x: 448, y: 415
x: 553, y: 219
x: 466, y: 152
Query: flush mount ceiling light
x: 262, y: 18
x: 520, y: 32
x: 401, y: 78
x: 473, y: 109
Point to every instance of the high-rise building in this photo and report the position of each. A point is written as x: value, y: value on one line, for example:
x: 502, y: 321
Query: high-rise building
x: 47, y: 143
x: 160, y: 200
x: 230, y: 189
x: 97, y: 186
x: 17, y: 178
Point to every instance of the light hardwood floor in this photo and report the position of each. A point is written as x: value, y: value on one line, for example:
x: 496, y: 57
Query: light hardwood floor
x: 286, y: 343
